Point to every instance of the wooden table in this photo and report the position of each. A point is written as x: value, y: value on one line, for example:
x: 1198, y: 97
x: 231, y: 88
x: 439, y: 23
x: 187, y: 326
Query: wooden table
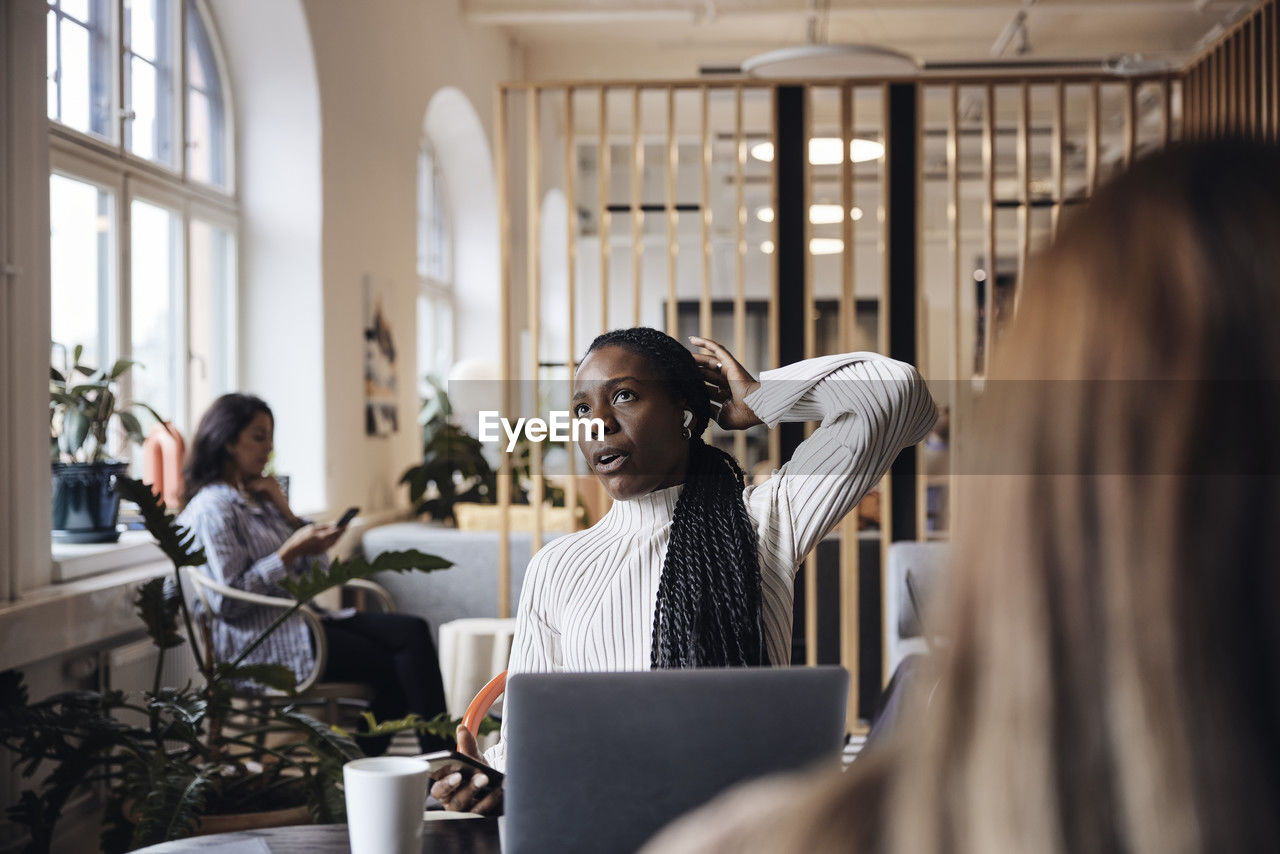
x: 439, y: 836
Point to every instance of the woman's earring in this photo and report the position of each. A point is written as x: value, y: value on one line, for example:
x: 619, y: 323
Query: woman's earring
x: 688, y: 419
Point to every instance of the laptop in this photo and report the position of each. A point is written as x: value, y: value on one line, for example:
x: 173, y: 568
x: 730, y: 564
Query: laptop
x: 600, y: 762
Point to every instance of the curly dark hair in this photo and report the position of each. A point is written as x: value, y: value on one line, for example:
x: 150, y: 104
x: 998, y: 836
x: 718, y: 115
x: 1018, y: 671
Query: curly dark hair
x: 708, y: 612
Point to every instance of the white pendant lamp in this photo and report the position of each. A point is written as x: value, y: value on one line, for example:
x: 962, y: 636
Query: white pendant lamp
x: 830, y: 61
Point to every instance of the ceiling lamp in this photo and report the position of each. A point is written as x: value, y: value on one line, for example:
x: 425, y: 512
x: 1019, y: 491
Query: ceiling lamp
x: 828, y: 61
x: 825, y: 150
x: 818, y: 214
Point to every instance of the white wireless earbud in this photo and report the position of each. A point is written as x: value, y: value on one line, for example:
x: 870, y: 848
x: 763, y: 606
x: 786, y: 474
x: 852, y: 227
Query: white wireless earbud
x: 688, y: 418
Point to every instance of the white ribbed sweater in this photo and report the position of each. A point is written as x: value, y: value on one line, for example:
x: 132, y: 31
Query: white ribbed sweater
x: 588, y: 598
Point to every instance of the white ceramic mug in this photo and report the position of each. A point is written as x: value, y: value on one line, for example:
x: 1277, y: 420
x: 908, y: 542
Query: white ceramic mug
x: 385, y: 799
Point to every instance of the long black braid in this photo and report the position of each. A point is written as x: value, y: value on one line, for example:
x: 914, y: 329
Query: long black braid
x: 708, y: 611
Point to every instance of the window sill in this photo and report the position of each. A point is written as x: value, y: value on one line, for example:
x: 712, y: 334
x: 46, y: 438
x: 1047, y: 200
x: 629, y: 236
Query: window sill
x: 71, y: 562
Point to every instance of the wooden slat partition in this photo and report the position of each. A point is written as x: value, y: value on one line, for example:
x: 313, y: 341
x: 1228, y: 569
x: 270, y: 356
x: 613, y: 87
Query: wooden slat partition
x: 1233, y: 86
x: 978, y: 183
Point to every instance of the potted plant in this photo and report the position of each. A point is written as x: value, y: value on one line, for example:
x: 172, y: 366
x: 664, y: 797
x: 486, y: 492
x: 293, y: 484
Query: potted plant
x: 453, y: 466
x: 454, y: 470
x: 83, y: 401
x: 185, y: 769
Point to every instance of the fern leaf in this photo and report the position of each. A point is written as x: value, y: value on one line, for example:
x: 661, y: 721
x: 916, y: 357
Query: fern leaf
x: 157, y: 604
x: 275, y: 676
x: 318, y: 580
x: 174, y: 540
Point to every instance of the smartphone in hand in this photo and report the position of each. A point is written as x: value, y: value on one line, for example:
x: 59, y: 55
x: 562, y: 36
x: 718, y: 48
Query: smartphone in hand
x: 449, y: 761
x: 347, y: 517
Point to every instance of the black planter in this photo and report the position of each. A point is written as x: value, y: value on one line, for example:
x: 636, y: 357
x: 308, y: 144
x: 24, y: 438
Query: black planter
x: 85, y: 503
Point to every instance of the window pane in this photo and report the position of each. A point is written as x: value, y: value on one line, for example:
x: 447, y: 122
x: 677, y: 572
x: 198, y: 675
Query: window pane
x: 82, y: 266
x: 78, y: 9
x: 79, y: 67
x: 210, y: 307
x: 149, y: 79
x: 75, y: 76
x: 206, y: 127
x: 434, y: 228
x: 51, y: 62
x: 155, y: 260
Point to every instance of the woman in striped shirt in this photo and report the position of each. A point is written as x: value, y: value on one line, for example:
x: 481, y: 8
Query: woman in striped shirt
x: 690, y: 567
x: 253, y: 541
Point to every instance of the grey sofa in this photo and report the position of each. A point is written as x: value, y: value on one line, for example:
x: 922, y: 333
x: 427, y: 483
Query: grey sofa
x: 468, y: 589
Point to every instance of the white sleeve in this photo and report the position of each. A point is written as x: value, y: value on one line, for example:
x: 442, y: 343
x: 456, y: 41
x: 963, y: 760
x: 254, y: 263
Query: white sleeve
x: 535, y: 647
x: 870, y: 406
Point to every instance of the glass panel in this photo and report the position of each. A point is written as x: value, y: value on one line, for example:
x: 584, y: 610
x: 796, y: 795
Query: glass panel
x: 156, y: 258
x: 82, y: 266
x: 149, y: 79
x: 74, y: 76
x: 143, y: 23
x: 435, y: 336
x: 434, y: 233
x: 78, y: 9
x: 206, y: 125
x: 79, y: 67
x: 200, y: 165
x: 210, y: 307
x: 51, y: 62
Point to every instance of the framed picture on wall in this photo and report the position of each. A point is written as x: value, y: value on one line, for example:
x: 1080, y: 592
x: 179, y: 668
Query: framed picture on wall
x: 380, y: 412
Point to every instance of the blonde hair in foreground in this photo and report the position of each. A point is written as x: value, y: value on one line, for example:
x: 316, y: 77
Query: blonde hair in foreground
x: 1113, y: 678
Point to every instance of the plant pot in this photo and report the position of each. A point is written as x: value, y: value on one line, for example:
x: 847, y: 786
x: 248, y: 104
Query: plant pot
x: 232, y: 822
x: 85, y: 503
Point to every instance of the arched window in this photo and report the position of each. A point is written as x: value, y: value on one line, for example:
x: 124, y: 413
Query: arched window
x: 435, y: 268
x: 143, y: 213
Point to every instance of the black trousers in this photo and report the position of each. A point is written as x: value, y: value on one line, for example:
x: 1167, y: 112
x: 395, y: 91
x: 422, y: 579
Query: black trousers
x: 393, y: 654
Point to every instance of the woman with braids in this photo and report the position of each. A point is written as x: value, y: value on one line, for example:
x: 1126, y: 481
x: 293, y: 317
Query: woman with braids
x: 690, y: 568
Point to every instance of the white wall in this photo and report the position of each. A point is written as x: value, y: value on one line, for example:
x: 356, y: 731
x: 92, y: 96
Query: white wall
x: 281, y: 300
x: 378, y: 65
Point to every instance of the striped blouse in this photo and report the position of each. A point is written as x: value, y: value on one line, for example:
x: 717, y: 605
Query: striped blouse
x: 240, y: 536
x: 588, y: 598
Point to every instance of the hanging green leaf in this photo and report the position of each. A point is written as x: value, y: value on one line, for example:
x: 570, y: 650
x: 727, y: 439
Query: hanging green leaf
x: 275, y: 676
x: 176, y: 542
x: 158, y: 604
x: 318, y: 580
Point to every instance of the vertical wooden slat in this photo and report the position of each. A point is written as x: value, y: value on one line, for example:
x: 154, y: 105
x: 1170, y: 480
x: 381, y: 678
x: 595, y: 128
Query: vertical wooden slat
x: 571, y: 282
x: 504, y: 350
x: 1024, y: 186
x: 739, y: 255
x: 1056, y: 155
x: 775, y: 344
x: 1092, y: 140
x: 604, y: 169
x: 811, y: 560
x: 1274, y: 56
x: 1166, y: 112
x: 533, y: 273
x: 988, y: 220
x: 849, y: 598
x: 704, y: 307
x: 637, y: 207
x: 1130, y: 121
x: 1250, y: 76
x: 886, y: 482
x: 958, y: 283
x: 673, y: 243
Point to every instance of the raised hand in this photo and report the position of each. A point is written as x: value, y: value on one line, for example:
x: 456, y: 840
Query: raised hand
x: 731, y: 384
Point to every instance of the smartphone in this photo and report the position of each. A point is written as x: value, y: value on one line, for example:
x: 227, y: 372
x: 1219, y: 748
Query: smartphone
x: 452, y: 760
x: 348, y: 516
